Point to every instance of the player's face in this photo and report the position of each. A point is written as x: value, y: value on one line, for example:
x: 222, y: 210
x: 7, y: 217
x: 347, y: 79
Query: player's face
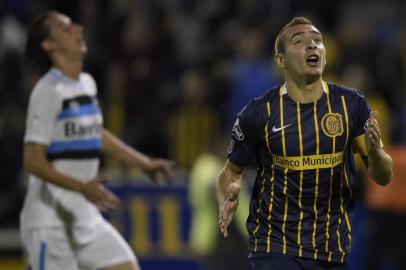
x: 65, y: 37
x: 305, y: 54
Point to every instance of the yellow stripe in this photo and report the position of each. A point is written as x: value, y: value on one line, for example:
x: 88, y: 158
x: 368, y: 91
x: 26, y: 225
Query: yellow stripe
x: 339, y: 244
x: 285, y: 185
x: 301, y: 179
x: 268, y: 241
x: 328, y: 97
x: 316, y: 189
x: 263, y: 181
x: 282, y: 124
x: 286, y: 210
x: 338, y: 229
x: 261, y: 195
x: 346, y: 137
x: 347, y: 219
x: 345, y: 172
x: 346, y: 119
x: 331, y: 184
x: 341, y: 183
x: 339, y: 220
x: 268, y: 106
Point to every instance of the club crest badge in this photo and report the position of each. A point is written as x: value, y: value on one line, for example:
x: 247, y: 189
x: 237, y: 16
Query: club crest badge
x: 237, y: 133
x: 332, y: 124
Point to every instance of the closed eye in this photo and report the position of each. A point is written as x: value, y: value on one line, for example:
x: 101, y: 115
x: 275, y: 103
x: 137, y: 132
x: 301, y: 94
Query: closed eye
x: 318, y: 41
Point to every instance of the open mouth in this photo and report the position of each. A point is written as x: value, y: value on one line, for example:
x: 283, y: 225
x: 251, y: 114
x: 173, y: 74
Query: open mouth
x: 312, y: 60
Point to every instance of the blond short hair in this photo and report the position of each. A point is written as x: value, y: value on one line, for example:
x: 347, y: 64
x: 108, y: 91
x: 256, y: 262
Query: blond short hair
x: 280, y: 42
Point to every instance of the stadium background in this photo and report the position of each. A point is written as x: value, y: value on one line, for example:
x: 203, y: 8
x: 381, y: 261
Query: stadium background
x: 172, y: 74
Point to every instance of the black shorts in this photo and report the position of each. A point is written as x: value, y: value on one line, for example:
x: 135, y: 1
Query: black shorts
x: 287, y: 262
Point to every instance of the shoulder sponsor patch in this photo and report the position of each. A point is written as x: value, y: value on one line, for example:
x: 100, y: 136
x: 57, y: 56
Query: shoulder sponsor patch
x: 237, y: 133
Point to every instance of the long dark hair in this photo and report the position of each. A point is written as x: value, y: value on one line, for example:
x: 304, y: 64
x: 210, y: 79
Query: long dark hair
x: 36, y: 58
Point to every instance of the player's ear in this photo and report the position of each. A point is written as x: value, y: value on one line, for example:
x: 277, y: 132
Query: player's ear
x: 47, y: 45
x: 280, y: 60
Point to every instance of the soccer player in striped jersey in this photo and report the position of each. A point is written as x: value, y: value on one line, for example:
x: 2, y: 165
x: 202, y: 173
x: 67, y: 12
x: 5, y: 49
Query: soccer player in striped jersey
x: 61, y: 223
x: 303, y: 135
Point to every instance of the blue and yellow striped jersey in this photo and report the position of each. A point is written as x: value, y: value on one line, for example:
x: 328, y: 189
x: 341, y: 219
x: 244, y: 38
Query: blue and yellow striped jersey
x: 303, y: 196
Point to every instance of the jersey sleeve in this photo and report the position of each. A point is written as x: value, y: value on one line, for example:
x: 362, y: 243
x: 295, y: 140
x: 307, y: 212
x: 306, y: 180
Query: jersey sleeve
x: 362, y: 113
x: 92, y: 86
x: 41, y: 115
x: 242, y: 145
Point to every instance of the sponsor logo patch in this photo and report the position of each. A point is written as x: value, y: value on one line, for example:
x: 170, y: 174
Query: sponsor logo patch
x: 237, y: 133
x: 332, y: 124
x: 309, y: 162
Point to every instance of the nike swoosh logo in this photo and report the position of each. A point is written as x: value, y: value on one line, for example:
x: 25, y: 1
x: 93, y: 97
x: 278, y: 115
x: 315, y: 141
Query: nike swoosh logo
x: 275, y: 129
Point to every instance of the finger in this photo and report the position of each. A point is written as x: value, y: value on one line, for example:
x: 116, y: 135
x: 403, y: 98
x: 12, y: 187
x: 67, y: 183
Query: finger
x: 226, y: 209
x: 377, y: 129
x: 371, y: 119
x: 225, y: 231
x: 103, y: 179
x: 109, y: 206
x: 113, y: 198
x: 234, y: 190
x: 224, y: 228
x: 375, y: 135
x: 169, y: 173
x: 228, y: 212
x: 101, y: 207
x: 373, y: 115
x: 110, y: 200
x: 373, y: 122
x: 159, y: 179
x: 169, y: 169
x: 232, y: 197
x: 371, y: 141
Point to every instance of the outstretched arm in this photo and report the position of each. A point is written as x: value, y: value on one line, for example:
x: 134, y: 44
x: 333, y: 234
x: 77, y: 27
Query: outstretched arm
x: 370, y: 147
x: 228, y: 190
x: 159, y: 170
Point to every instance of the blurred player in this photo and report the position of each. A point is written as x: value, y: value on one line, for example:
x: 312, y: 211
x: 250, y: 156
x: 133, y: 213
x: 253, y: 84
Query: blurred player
x: 61, y: 224
x: 303, y: 135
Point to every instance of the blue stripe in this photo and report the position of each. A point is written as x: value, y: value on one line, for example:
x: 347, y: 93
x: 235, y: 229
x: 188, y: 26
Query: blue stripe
x: 42, y: 252
x: 75, y: 145
x: 88, y: 109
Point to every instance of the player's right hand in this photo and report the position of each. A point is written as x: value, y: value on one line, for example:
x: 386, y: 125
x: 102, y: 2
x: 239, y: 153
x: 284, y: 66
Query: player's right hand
x: 96, y: 192
x: 228, y: 209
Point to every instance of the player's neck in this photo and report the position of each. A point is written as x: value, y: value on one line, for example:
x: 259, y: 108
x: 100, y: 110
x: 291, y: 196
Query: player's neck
x: 71, y: 68
x: 304, y: 91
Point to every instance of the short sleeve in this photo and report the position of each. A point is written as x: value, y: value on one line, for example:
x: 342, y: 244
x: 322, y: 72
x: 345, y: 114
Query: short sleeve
x: 363, y: 111
x: 243, y: 145
x: 90, y: 82
x: 41, y: 115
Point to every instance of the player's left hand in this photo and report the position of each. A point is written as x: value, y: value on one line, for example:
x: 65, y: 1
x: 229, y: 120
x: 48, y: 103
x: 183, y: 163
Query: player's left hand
x: 373, y: 134
x: 161, y: 171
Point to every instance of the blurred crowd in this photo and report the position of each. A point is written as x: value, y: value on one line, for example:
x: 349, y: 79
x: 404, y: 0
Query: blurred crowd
x: 173, y: 74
